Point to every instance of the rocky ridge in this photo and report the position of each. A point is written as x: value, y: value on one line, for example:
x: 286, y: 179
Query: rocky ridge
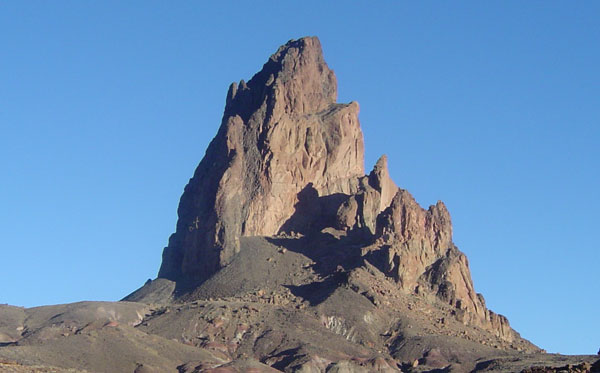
x: 288, y: 159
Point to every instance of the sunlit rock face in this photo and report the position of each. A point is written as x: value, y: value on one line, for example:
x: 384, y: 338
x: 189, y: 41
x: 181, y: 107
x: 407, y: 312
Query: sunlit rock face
x: 423, y: 260
x: 281, y: 133
x: 287, y: 159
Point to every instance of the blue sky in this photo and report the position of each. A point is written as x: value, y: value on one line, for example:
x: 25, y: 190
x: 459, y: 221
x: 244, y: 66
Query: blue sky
x: 492, y: 107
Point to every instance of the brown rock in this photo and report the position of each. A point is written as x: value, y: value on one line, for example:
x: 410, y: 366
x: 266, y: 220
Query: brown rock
x: 422, y: 258
x: 413, y: 238
x: 288, y: 160
x: 380, y: 179
x: 281, y: 133
x: 374, y: 194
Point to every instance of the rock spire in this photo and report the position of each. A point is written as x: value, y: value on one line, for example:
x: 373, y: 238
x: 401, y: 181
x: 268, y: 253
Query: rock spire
x: 288, y: 159
x: 282, y: 132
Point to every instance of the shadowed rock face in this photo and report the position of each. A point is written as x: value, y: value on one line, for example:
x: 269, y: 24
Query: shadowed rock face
x: 289, y: 159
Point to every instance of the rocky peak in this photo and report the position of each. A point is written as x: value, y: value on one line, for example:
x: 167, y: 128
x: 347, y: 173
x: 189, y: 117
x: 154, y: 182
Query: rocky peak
x: 281, y: 133
x: 288, y: 160
x: 406, y: 223
x: 295, y: 81
x: 380, y: 179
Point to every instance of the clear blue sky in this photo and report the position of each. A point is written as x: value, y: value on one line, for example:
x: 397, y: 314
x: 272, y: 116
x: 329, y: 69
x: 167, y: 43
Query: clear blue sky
x: 493, y: 107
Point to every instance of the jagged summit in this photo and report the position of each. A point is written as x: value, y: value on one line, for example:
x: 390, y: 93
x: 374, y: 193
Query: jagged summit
x: 288, y: 159
x: 281, y: 207
x: 296, y: 79
x: 280, y: 132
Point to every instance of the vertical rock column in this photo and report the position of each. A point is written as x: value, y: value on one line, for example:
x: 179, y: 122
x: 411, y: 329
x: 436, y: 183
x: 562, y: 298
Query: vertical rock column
x: 281, y: 132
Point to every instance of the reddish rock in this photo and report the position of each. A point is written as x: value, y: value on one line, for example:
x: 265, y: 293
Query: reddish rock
x: 423, y: 259
x: 289, y: 159
x: 282, y: 133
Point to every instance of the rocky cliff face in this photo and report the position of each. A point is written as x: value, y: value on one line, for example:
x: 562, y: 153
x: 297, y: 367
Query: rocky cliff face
x: 420, y: 256
x: 289, y: 159
x: 282, y: 133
